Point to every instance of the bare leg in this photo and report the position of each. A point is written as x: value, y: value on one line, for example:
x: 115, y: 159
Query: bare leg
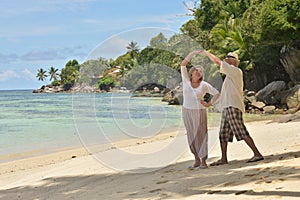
x: 249, y: 141
x: 203, y: 162
x: 223, y: 159
x: 224, y: 152
x: 197, y: 161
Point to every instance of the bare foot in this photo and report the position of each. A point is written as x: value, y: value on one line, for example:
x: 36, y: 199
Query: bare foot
x: 219, y: 162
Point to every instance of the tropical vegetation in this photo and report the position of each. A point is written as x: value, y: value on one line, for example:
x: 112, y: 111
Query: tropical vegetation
x: 256, y: 29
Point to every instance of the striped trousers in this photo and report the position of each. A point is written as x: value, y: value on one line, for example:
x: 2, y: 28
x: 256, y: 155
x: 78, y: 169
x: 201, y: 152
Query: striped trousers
x: 195, y: 122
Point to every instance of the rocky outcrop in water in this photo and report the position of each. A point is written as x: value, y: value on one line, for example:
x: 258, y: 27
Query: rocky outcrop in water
x: 49, y: 89
x: 174, y: 96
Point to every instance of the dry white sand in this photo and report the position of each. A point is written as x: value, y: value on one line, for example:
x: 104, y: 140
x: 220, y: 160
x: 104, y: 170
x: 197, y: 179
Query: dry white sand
x: 58, y: 176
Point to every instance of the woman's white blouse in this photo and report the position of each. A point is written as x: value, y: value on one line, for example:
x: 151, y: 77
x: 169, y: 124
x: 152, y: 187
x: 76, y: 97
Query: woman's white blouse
x: 192, y: 96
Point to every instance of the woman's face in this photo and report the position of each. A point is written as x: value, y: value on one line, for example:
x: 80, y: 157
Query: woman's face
x: 197, y: 74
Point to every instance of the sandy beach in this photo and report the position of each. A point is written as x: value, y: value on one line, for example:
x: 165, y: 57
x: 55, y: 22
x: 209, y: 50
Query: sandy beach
x: 75, y: 174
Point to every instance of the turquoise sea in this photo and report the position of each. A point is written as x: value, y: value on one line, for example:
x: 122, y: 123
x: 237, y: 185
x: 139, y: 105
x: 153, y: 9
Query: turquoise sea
x: 40, y: 123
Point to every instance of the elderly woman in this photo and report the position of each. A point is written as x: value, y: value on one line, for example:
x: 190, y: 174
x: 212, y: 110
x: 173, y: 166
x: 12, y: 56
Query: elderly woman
x: 194, y: 109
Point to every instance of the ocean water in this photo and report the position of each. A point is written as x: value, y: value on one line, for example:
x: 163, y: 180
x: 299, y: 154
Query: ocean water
x: 34, y: 123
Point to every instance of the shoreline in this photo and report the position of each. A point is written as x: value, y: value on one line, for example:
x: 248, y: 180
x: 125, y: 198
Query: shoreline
x: 53, y: 156
x: 83, y: 177
x: 70, y: 152
x: 59, y: 176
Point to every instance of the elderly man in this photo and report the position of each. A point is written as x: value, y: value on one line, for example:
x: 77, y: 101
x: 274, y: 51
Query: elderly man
x: 232, y: 104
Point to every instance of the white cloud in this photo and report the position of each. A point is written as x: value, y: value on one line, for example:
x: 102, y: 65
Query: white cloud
x: 128, y: 22
x: 114, y: 46
x: 163, y: 19
x: 16, y: 8
x: 45, y: 54
x: 42, y: 55
x: 12, y: 33
x: 28, y: 75
x: 7, y: 75
x: 8, y: 58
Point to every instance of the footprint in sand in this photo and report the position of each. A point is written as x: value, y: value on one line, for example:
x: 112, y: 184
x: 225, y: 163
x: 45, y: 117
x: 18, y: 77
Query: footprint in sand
x: 241, y: 192
x: 262, y: 180
x: 281, y: 179
x: 250, y: 175
x: 155, y: 190
x: 258, y: 182
x: 170, y: 170
x: 161, y: 182
x: 214, y: 191
x: 281, y: 158
x: 283, y: 173
x: 163, y: 195
x: 228, y: 183
x: 132, y: 194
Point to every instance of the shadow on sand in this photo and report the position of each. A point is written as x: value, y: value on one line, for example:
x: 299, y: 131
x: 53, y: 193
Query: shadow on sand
x: 172, y: 181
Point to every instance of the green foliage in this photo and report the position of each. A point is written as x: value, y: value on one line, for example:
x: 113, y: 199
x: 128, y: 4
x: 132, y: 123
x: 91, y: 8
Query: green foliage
x: 55, y: 83
x: 149, y: 73
x: 191, y: 28
x: 133, y: 49
x: 163, y: 57
x: 159, y: 41
x: 125, y: 61
x: 208, y: 15
x: 69, y: 74
x: 106, y: 83
x: 255, y: 29
x: 74, y: 63
x: 91, y: 70
x: 41, y: 75
x: 53, y: 72
x: 280, y: 20
x: 182, y: 44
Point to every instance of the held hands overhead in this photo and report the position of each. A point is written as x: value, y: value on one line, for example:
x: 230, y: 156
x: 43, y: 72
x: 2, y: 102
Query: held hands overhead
x: 195, y: 52
x: 191, y: 55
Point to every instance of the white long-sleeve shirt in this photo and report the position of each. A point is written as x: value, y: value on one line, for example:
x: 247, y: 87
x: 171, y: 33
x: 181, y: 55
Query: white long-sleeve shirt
x: 192, y: 96
x: 232, y: 88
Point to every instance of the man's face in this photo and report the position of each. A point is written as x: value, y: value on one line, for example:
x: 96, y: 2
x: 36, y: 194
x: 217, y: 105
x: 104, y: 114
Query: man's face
x: 232, y: 61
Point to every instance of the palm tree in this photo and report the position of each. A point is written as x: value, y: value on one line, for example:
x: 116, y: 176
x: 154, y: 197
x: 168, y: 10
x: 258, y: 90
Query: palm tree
x: 228, y: 35
x: 41, y: 75
x: 133, y: 48
x: 53, y: 73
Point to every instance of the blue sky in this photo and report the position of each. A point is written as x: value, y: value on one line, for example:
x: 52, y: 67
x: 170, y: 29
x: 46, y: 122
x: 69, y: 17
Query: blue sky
x: 43, y: 33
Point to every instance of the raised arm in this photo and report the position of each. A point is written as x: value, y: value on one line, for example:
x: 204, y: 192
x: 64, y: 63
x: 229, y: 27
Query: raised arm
x: 212, y: 57
x: 186, y: 60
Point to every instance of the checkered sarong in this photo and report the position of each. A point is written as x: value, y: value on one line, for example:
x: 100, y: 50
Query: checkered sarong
x: 232, y: 123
